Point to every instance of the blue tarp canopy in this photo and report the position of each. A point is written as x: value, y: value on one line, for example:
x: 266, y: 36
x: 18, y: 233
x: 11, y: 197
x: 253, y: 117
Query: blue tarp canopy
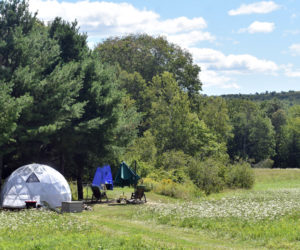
x: 126, y: 176
x: 103, y: 176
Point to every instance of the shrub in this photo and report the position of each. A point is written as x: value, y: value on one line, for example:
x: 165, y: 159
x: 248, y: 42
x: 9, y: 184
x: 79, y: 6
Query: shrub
x: 267, y: 163
x: 172, y: 189
x: 240, y: 175
x: 208, y: 175
x: 149, y: 184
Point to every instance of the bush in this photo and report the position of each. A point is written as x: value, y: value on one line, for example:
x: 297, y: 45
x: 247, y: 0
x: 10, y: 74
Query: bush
x: 208, y: 175
x: 172, y: 189
x: 149, y: 184
x: 267, y: 163
x: 240, y: 175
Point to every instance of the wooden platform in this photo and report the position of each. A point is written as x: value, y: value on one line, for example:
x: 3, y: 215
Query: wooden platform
x: 71, y: 206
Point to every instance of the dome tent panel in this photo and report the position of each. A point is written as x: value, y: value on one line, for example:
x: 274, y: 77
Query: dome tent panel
x: 52, y: 187
x: 32, y: 178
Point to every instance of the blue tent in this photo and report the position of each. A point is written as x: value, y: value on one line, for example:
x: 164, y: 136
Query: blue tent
x: 103, y: 176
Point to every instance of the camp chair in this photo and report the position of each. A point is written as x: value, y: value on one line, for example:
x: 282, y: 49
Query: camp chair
x: 139, y: 193
x: 98, y: 193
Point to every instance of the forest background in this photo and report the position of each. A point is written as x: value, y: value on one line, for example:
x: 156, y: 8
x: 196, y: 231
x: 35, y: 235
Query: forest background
x: 135, y: 98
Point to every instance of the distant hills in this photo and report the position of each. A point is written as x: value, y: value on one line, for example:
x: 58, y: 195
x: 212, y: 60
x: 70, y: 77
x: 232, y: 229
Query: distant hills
x: 290, y: 97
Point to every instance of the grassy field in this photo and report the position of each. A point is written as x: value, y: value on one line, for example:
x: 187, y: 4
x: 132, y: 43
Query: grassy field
x: 268, y: 216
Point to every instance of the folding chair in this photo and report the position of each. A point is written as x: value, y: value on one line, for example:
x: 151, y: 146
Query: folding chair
x: 139, y: 193
x: 98, y: 193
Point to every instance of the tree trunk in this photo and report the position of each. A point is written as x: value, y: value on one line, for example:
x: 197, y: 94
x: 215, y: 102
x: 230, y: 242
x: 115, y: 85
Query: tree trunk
x: 244, y: 146
x: 62, y: 163
x: 1, y: 169
x: 79, y: 161
x: 79, y: 188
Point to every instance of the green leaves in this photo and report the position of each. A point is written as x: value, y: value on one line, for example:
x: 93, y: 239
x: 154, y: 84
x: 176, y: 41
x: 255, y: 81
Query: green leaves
x: 10, y: 109
x: 150, y: 57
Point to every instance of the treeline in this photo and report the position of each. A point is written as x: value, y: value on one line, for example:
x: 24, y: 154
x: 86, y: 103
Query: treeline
x: 288, y: 98
x: 135, y: 98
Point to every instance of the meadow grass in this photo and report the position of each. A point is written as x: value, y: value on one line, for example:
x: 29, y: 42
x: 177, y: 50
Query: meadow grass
x: 268, y: 216
x: 276, y: 178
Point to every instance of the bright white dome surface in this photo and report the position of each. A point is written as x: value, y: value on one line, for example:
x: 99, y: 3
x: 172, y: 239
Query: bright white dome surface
x: 35, y: 182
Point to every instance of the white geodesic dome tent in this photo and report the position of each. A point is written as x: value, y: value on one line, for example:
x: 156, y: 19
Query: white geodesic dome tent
x: 35, y: 182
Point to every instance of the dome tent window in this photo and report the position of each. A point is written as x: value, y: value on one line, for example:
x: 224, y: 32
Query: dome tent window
x: 32, y: 178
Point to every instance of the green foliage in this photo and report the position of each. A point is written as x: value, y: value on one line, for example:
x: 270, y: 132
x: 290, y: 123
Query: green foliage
x: 213, y: 175
x: 214, y: 112
x: 15, y: 19
x: 240, y: 175
x: 261, y: 138
x: 293, y: 126
x: 135, y: 85
x: 10, y: 109
x: 134, y: 98
x: 267, y: 163
x: 290, y: 98
x: 73, y: 45
x: 173, y: 189
x: 174, y: 160
x: 142, y: 154
x: 172, y: 122
x: 208, y: 175
x: 254, y: 135
x: 151, y: 56
x: 75, y: 112
x: 143, y: 149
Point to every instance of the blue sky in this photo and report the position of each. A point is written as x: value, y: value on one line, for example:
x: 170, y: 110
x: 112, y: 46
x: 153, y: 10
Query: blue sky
x: 241, y: 46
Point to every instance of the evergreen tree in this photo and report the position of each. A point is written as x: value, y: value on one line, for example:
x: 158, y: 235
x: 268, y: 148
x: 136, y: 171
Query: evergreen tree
x: 73, y: 45
x: 15, y: 20
x: 10, y: 109
x: 75, y: 112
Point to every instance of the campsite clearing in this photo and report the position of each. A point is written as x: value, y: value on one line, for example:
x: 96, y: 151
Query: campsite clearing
x: 266, y: 217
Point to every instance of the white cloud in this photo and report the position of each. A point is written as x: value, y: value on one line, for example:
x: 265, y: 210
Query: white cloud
x: 187, y: 40
x: 244, y: 63
x: 211, y: 79
x: 218, y: 69
x: 103, y: 19
x: 295, y: 49
x: 259, y: 27
x: 290, y: 72
x: 263, y: 7
x: 293, y: 16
